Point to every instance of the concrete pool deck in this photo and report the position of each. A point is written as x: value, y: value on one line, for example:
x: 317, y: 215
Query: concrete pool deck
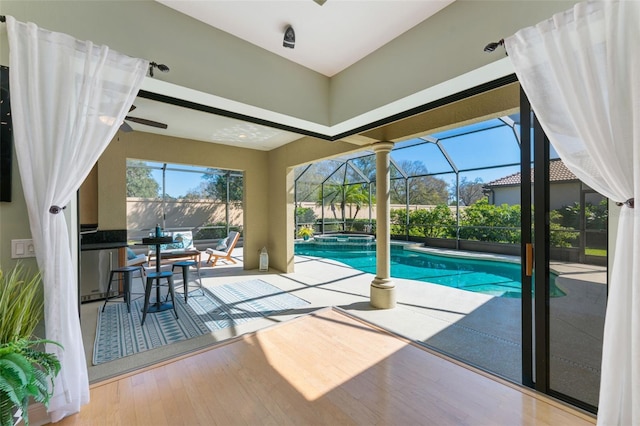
x: 479, y: 329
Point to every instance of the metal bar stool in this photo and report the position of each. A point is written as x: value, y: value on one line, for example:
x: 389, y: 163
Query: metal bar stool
x: 127, y: 274
x: 158, y: 306
x: 185, y: 265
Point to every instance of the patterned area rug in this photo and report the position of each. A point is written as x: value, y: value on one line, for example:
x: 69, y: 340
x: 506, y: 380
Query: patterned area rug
x: 119, y: 333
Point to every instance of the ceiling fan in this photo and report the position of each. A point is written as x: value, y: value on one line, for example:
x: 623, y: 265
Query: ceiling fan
x: 125, y: 127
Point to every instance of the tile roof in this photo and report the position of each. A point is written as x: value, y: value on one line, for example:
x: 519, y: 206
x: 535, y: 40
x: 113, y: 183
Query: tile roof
x: 558, y: 172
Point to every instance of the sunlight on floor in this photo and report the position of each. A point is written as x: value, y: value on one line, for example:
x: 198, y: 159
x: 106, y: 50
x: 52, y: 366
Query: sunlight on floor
x: 320, y: 372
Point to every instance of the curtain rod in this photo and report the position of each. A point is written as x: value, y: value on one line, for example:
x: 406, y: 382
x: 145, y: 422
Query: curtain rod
x: 493, y: 45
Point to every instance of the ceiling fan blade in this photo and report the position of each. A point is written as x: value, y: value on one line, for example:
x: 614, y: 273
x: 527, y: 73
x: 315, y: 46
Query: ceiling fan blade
x: 146, y: 122
x: 125, y: 127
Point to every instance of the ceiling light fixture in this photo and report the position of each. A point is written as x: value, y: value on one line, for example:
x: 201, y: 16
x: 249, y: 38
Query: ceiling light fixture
x: 289, y: 37
x: 161, y: 68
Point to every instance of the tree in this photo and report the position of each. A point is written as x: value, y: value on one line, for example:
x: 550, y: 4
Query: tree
x: 140, y: 183
x: 470, y: 191
x: 217, y: 187
x: 197, y: 193
x: 595, y: 215
x: 367, y: 165
x: 355, y: 196
x: 427, y: 190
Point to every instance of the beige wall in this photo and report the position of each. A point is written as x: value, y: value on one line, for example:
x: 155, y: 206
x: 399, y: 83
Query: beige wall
x: 14, y: 224
x: 203, y: 58
x: 281, y: 181
x: 211, y: 61
x: 143, y: 214
x: 112, y: 179
x: 560, y: 195
x: 200, y: 57
x: 268, y: 181
x: 448, y: 45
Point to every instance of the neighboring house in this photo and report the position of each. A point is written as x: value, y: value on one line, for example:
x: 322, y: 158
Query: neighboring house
x: 564, y: 188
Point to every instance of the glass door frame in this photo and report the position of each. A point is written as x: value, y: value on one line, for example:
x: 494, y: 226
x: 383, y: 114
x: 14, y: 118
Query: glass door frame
x: 535, y: 249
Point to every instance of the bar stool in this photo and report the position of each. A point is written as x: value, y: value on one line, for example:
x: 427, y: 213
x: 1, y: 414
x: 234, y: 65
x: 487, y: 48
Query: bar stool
x: 185, y: 265
x: 158, y: 306
x: 127, y: 274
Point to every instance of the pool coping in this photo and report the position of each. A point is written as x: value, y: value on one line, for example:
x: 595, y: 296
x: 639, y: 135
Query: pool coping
x: 556, y: 267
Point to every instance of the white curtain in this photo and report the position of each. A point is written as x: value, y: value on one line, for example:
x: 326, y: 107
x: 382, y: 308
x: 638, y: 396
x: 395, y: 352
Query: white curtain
x: 581, y: 72
x: 68, y: 99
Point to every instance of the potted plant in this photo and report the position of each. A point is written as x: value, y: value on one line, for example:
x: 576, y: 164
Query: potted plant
x: 26, y: 371
x: 305, y: 232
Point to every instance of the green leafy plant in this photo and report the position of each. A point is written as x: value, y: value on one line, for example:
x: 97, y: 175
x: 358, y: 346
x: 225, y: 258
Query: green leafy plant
x: 305, y: 215
x: 25, y: 370
x: 21, y: 303
x: 305, y: 232
x: 437, y: 222
x: 25, y: 373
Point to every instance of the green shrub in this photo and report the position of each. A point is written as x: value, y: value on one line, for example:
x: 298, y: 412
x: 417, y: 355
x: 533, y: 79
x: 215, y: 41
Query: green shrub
x: 482, y: 221
x: 359, y: 225
x: 305, y: 215
x: 437, y: 222
x: 398, y: 221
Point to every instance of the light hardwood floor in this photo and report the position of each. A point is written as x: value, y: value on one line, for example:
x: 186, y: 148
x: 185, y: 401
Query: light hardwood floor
x: 321, y: 369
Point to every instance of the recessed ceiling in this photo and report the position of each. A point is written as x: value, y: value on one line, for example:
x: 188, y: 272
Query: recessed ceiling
x: 329, y: 38
x: 203, y: 126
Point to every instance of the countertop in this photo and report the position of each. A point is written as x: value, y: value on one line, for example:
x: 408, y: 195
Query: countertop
x: 103, y: 246
x: 103, y: 240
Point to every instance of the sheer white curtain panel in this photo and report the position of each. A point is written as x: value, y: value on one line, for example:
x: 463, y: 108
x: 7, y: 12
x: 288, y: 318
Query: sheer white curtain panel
x: 581, y: 72
x: 68, y: 98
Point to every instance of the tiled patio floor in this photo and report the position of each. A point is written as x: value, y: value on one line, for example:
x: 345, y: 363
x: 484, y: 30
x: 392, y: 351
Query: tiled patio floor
x: 476, y: 328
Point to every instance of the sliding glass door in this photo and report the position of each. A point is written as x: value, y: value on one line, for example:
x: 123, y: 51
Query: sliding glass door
x: 564, y: 273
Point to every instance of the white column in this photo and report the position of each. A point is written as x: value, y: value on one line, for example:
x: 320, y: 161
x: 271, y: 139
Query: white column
x: 383, y: 290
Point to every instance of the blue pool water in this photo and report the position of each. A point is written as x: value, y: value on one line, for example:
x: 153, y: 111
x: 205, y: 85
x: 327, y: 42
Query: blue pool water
x: 481, y: 276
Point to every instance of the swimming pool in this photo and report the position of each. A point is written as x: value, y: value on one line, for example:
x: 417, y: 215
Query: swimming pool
x: 482, y: 276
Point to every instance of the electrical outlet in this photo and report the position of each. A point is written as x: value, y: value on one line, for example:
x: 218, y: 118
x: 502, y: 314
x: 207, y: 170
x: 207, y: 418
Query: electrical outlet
x: 22, y: 249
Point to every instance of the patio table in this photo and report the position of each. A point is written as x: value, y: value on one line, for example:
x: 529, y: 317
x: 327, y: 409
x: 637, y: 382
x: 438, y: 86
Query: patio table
x: 157, y: 242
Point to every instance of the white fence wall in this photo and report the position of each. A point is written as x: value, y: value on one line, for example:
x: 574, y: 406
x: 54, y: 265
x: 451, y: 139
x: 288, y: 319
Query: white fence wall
x: 144, y: 213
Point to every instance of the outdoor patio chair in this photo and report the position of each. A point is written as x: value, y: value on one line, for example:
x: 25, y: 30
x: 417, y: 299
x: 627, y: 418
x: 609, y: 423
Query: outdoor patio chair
x: 134, y: 259
x: 223, y: 249
x: 182, y: 247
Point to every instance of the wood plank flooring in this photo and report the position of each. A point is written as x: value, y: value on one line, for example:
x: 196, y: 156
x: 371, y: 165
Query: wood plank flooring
x: 322, y: 369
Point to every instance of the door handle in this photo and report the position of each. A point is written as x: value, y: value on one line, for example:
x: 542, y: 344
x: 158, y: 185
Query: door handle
x: 529, y: 260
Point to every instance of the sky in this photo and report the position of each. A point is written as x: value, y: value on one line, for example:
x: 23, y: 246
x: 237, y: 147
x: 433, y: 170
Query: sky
x: 476, y: 146
x: 178, y: 184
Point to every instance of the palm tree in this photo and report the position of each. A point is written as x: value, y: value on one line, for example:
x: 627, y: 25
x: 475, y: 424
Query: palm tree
x: 356, y: 195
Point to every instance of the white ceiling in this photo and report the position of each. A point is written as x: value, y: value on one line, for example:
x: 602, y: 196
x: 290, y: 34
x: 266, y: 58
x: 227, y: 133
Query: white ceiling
x: 329, y: 38
x: 203, y: 126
